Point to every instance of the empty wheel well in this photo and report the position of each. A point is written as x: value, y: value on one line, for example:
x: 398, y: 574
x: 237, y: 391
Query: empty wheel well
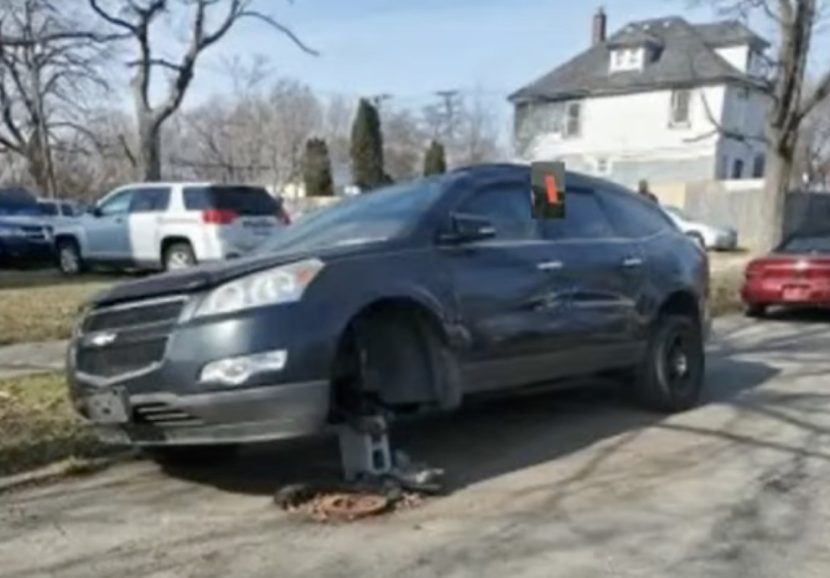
x: 62, y: 239
x: 681, y: 303
x: 170, y: 241
x: 388, y: 355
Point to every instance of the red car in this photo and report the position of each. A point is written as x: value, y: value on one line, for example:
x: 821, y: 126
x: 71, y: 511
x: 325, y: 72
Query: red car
x: 795, y: 274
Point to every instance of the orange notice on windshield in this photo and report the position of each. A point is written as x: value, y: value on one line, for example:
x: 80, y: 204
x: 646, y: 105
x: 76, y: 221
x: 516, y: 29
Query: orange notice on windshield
x: 551, y: 189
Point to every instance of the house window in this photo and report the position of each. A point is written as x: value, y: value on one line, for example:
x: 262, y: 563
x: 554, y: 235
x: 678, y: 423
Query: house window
x: 603, y: 166
x: 573, y: 119
x: 723, y: 167
x: 743, y: 93
x: 738, y: 169
x: 758, y: 166
x: 680, y: 107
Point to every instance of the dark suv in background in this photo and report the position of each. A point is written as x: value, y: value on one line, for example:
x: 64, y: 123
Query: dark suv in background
x: 410, y: 298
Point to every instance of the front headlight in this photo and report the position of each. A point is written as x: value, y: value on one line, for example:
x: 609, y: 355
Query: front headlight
x: 285, y: 284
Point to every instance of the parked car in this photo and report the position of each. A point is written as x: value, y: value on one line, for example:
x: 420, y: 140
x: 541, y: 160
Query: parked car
x: 169, y: 226
x: 25, y: 237
x: 59, y: 209
x: 414, y: 298
x: 709, y: 236
x: 797, y: 273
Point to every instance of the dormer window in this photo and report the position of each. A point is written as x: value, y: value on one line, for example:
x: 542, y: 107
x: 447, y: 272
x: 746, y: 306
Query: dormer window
x: 623, y: 59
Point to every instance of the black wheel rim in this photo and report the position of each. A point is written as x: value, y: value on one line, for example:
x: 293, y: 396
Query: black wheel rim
x: 677, y: 361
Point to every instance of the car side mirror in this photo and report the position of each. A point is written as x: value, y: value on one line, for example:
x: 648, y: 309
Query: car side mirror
x: 465, y: 228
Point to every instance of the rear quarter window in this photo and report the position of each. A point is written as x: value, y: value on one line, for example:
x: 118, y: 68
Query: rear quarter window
x: 633, y: 217
x: 250, y: 201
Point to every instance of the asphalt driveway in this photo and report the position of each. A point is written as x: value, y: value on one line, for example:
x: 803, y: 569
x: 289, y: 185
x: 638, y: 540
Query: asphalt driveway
x: 573, y: 485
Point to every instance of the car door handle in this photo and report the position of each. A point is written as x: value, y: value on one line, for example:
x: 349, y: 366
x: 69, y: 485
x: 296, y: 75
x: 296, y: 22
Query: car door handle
x: 549, y: 265
x: 632, y: 262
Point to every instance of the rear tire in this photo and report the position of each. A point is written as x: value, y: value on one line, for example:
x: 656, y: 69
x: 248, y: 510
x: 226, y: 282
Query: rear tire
x: 192, y: 456
x: 670, y: 377
x: 178, y: 256
x: 756, y: 311
x: 70, y: 261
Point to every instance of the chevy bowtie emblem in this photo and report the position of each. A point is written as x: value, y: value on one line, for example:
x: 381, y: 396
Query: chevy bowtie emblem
x: 103, y: 339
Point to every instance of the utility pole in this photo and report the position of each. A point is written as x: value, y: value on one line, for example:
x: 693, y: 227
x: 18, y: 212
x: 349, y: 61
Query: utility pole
x: 450, y: 98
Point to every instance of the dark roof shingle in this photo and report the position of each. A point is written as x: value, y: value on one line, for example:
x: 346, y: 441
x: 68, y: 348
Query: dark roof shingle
x: 684, y: 58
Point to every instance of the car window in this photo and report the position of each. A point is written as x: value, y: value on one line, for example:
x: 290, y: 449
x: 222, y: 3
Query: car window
x: 150, y: 200
x: 48, y: 209
x: 507, y: 207
x: 584, y: 219
x: 806, y: 244
x: 246, y: 201
x: 383, y: 214
x: 118, y: 204
x: 633, y: 217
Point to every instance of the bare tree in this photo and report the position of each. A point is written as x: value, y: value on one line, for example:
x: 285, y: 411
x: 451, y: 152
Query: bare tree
x: 48, y: 67
x: 795, y: 22
x: 477, y: 138
x: 135, y: 19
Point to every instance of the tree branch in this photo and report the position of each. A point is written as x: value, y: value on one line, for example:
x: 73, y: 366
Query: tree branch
x: 281, y: 28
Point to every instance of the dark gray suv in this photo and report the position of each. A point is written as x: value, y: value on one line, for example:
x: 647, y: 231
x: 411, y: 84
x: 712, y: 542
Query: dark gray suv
x: 410, y: 298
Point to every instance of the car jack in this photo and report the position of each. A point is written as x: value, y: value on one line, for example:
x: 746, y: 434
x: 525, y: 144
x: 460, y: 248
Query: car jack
x: 366, y: 456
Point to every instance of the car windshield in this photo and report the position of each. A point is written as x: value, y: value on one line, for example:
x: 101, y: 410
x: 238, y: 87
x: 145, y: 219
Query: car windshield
x: 372, y: 217
x: 806, y: 244
x: 48, y: 209
x: 20, y: 210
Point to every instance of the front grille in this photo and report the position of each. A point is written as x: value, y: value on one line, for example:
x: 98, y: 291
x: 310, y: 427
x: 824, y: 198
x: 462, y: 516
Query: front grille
x: 161, y: 413
x: 119, y: 360
x: 35, y: 233
x: 126, y: 339
x: 140, y: 314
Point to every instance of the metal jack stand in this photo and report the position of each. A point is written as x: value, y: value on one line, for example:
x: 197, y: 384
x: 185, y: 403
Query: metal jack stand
x: 366, y: 456
x: 364, y: 449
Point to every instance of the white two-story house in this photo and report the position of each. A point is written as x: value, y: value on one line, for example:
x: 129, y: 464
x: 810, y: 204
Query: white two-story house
x: 662, y: 100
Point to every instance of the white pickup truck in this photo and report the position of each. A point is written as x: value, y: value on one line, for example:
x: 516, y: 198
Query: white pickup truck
x: 168, y: 226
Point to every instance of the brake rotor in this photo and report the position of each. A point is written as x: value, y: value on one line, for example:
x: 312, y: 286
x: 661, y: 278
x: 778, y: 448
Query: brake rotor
x: 349, y: 506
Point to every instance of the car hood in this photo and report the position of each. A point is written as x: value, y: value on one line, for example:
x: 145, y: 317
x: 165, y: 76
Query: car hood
x: 211, y: 275
x: 21, y: 221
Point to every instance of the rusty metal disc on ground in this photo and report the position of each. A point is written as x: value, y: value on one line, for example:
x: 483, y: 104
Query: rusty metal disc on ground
x: 350, y: 506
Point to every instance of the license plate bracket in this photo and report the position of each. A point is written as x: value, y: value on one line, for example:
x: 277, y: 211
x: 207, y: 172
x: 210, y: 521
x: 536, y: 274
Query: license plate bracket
x: 109, y: 406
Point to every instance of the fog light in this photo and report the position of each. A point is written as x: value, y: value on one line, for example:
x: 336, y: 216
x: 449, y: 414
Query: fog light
x: 238, y: 370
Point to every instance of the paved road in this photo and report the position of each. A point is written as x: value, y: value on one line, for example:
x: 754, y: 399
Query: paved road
x: 576, y: 485
x: 31, y: 358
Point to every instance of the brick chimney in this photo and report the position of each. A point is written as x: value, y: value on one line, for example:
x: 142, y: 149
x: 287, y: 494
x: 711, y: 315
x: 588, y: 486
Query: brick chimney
x: 599, y: 28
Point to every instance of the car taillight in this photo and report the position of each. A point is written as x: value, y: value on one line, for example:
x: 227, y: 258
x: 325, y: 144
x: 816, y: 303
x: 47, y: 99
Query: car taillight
x: 218, y: 217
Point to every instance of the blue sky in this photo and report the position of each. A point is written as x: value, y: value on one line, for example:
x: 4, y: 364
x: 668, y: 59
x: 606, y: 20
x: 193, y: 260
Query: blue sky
x: 412, y: 48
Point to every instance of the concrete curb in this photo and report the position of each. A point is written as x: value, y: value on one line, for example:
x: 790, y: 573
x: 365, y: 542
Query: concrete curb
x: 73, y: 467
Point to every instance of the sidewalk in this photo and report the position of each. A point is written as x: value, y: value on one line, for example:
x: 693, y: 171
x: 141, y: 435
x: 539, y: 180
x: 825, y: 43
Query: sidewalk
x: 32, y: 358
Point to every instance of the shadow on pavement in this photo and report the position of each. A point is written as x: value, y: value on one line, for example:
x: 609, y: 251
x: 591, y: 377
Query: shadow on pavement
x: 483, y: 440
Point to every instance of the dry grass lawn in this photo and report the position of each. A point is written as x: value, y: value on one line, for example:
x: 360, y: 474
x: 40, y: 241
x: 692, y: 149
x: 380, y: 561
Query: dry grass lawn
x: 38, y: 425
x: 41, y: 305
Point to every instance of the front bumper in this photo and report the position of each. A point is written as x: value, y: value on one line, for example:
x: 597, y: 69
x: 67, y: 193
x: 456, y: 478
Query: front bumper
x: 167, y: 405
x: 253, y: 415
x: 21, y: 249
x: 724, y: 242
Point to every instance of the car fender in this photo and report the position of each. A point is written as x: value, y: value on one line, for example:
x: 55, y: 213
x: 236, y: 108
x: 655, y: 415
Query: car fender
x: 74, y: 230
